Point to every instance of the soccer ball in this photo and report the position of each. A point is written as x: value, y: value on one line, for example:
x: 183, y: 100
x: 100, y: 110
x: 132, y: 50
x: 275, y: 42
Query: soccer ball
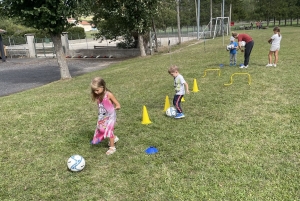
x: 229, y: 47
x: 243, y: 43
x: 76, y: 163
x: 171, y: 112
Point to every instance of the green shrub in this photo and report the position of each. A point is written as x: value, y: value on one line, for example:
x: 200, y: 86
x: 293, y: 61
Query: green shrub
x: 76, y: 33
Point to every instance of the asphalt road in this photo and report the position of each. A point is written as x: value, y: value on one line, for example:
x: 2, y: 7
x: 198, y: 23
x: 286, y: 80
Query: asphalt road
x: 18, y: 75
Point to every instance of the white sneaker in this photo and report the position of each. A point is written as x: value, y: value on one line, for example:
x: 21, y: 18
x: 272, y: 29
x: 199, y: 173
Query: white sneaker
x: 115, y: 140
x: 269, y: 65
x: 244, y: 66
x: 274, y: 65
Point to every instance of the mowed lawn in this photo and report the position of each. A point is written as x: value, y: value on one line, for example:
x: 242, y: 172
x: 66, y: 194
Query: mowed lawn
x: 237, y: 142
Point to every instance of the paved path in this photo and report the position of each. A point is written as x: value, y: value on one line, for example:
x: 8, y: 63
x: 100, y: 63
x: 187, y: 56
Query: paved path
x: 22, y: 74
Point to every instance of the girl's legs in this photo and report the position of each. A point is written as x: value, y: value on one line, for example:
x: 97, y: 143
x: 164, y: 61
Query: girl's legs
x: 112, y: 142
x: 112, y: 148
x: 276, y: 57
x: 270, y: 57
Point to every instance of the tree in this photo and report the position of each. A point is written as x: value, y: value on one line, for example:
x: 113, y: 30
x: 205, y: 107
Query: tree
x: 128, y: 18
x: 48, y: 15
x: 178, y: 22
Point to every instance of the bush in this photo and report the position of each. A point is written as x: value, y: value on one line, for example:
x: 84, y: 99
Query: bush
x: 76, y: 33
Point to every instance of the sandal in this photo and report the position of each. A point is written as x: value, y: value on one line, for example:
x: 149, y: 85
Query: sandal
x: 115, y: 140
x: 111, y: 150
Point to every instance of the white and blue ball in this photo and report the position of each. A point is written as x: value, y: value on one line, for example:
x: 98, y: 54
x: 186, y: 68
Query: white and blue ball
x: 229, y: 47
x: 171, y: 112
x: 76, y: 163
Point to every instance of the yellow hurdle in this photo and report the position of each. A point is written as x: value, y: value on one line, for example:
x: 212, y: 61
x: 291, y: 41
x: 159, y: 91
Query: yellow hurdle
x: 231, y: 78
x: 212, y: 69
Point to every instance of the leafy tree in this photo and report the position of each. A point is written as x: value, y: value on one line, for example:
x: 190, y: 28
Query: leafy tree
x: 48, y: 15
x: 128, y: 18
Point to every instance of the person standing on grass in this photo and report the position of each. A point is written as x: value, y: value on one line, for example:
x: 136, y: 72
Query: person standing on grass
x: 181, y: 86
x: 249, y: 43
x: 233, y: 51
x: 275, y: 46
x: 107, y: 106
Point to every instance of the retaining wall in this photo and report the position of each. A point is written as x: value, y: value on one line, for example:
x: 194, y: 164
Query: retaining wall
x: 105, y: 52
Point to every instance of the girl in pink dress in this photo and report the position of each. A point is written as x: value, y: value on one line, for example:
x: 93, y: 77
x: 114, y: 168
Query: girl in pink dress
x: 107, y: 104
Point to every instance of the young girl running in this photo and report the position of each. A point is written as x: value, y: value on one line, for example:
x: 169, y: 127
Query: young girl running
x: 107, y: 104
x: 275, y: 41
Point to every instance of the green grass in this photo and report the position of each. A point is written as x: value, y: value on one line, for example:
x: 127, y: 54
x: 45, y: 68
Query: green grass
x: 237, y: 142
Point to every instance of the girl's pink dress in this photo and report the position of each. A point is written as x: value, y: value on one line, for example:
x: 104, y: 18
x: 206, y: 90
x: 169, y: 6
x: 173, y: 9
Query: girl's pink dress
x: 106, y: 120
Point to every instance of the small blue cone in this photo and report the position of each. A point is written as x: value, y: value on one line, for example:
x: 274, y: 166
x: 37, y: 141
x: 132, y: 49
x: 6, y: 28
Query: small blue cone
x: 221, y: 65
x: 151, y: 150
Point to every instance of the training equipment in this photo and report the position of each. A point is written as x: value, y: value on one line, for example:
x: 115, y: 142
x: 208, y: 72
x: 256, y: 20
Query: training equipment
x: 171, y: 112
x: 213, y: 69
x: 76, y: 163
x: 229, y: 47
x: 145, y: 117
x: 151, y: 150
x: 195, y: 86
x: 243, y: 43
x: 167, y: 103
x: 231, y: 78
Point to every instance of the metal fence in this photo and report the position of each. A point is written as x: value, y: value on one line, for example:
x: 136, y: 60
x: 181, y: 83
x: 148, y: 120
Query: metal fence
x: 15, y: 46
x: 18, y: 47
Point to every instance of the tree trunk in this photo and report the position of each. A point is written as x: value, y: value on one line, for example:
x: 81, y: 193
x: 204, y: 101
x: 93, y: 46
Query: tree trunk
x: 141, y: 44
x: 178, y: 23
x: 155, y: 34
x: 61, y: 57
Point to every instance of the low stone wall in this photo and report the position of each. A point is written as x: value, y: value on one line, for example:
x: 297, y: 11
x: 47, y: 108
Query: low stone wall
x: 105, y: 53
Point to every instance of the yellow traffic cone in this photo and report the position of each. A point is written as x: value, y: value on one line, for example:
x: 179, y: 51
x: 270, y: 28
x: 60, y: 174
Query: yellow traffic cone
x: 167, y: 103
x: 182, y: 100
x: 145, y: 119
x: 195, y: 87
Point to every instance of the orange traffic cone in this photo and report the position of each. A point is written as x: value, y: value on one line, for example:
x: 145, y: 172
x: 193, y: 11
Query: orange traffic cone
x: 167, y: 103
x: 145, y: 119
x: 195, y: 86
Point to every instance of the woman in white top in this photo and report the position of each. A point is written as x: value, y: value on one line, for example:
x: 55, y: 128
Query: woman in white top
x: 275, y: 41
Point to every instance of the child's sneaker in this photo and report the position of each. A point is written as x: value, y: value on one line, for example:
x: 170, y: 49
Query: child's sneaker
x: 231, y: 64
x: 269, y: 65
x: 179, y: 116
x: 274, y: 65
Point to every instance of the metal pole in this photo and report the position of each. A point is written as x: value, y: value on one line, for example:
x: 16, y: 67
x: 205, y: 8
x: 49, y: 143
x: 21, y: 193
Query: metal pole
x: 3, y: 56
x: 198, y: 19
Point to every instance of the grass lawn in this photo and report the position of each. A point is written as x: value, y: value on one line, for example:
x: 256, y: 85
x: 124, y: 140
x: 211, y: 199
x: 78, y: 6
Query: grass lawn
x: 237, y: 142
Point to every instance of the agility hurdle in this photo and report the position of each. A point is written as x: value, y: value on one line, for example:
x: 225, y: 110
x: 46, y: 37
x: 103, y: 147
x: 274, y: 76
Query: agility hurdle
x: 231, y: 78
x: 212, y: 69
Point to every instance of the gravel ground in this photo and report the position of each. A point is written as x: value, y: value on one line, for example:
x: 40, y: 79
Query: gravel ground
x: 17, y: 75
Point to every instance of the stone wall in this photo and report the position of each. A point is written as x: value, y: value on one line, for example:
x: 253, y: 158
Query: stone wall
x: 104, y: 52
